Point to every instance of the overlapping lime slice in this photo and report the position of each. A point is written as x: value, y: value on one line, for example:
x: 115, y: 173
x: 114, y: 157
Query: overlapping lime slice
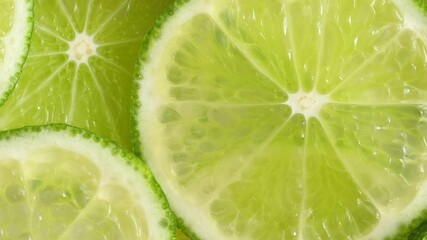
x: 60, y: 182
x: 16, y: 24
x: 81, y: 64
x: 288, y: 119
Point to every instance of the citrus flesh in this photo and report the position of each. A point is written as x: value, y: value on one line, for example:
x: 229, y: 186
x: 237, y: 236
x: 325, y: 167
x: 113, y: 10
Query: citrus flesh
x: 59, y: 182
x: 16, y: 22
x: 80, y: 66
x: 287, y: 120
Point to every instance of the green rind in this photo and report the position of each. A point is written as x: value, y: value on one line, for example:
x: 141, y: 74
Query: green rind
x: 127, y: 157
x: 422, y: 4
x: 186, y: 230
x: 148, y: 41
x: 13, y: 80
x: 151, y: 37
x: 415, y: 230
x: 419, y: 233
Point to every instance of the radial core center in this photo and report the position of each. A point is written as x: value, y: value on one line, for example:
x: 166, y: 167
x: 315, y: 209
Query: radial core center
x: 308, y: 104
x: 82, y: 48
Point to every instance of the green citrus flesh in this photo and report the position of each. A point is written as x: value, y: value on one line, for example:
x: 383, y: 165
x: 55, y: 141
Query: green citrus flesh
x: 81, y: 64
x: 16, y: 22
x: 60, y: 182
x: 288, y: 120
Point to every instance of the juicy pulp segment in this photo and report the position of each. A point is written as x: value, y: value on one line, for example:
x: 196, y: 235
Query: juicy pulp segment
x: 6, y: 16
x: 218, y: 93
x: 58, y: 194
x: 60, y: 182
x: 6, y: 8
x: 13, y: 201
x: 386, y: 153
x: 292, y: 204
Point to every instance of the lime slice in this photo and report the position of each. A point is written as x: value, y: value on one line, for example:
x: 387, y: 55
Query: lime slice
x: 81, y: 65
x: 61, y: 182
x: 288, y: 119
x: 16, y: 24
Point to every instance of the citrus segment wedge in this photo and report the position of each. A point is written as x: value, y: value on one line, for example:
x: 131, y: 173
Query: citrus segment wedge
x: 60, y: 182
x: 16, y: 25
x: 287, y: 120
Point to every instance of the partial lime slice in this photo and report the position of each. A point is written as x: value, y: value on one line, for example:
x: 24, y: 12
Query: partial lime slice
x: 288, y: 119
x: 60, y: 182
x: 16, y: 24
x: 81, y: 65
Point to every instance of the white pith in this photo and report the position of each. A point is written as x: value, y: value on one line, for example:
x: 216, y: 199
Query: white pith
x: 194, y: 215
x: 413, y: 18
x: 309, y: 104
x: 82, y: 48
x: 113, y: 169
x: 14, y: 44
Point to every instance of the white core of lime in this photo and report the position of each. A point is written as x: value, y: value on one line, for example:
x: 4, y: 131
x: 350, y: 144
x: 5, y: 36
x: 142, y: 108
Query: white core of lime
x: 82, y: 48
x: 308, y: 104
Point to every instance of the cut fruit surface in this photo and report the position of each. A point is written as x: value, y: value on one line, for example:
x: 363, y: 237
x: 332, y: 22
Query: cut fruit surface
x: 80, y: 66
x: 60, y: 182
x: 16, y: 24
x: 288, y: 119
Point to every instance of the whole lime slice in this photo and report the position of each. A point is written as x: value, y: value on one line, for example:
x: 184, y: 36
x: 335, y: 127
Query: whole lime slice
x: 81, y: 65
x: 61, y: 182
x: 288, y: 119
